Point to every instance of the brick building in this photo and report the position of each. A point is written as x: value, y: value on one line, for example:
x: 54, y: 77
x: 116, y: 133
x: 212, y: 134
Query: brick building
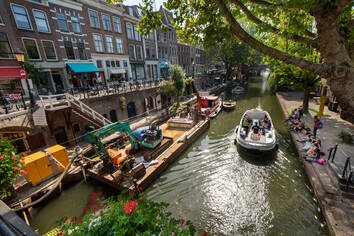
x: 134, y: 43
x: 184, y: 59
x: 107, y: 40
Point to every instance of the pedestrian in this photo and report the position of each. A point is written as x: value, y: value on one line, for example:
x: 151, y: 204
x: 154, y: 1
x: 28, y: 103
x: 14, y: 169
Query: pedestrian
x: 99, y: 80
x: 317, y: 124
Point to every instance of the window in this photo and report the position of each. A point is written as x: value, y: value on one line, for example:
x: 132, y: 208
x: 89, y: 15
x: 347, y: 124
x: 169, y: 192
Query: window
x: 31, y: 49
x: 129, y: 30
x: 106, y: 21
x: 116, y: 24
x: 69, y: 50
x: 153, y: 52
x: 62, y: 23
x: 108, y: 64
x: 1, y: 21
x: 148, y: 72
x: 130, y: 10
x: 98, y: 43
x: 117, y: 64
x: 152, y: 35
x: 109, y: 44
x: 41, y: 21
x: 139, y: 52
x: 94, y: 22
x: 120, y: 48
x: 113, y: 64
x: 132, y: 51
x: 21, y: 17
x: 5, y: 47
x: 136, y: 33
x: 99, y: 63
x: 82, y: 51
x: 75, y: 23
x: 147, y: 52
x: 49, y: 50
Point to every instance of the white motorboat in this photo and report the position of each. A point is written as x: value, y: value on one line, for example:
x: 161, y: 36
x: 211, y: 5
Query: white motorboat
x: 237, y: 90
x: 258, y: 135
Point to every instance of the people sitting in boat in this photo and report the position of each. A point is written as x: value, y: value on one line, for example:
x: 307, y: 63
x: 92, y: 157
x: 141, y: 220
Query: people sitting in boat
x: 245, y: 123
x: 267, y: 125
x: 256, y: 130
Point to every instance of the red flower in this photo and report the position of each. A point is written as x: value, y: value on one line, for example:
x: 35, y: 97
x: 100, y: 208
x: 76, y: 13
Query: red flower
x: 60, y: 234
x: 204, y: 234
x: 23, y: 154
x: 66, y: 218
x: 129, y: 193
x: 94, y: 210
x: 181, y: 221
x: 86, y: 210
x: 2, y: 157
x: 101, y: 213
x: 99, y: 193
x: 23, y: 172
x: 22, y: 162
x: 13, y: 158
x: 127, y: 208
x: 18, y: 185
x: 15, y: 169
x: 132, y: 205
x: 159, y: 210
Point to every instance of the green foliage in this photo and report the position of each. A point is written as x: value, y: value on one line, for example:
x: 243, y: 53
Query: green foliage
x: 272, y: 83
x: 33, y: 73
x: 177, y: 77
x: 10, y: 167
x: 122, y: 103
x: 189, y: 85
x: 345, y: 135
x: 167, y: 89
x: 122, y: 215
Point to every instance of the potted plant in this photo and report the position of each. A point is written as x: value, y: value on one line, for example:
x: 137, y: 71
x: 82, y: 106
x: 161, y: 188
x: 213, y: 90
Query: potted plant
x: 122, y: 103
x: 346, y: 136
x: 10, y: 168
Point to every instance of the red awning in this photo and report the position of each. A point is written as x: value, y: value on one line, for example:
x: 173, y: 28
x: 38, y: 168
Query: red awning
x: 7, y: 73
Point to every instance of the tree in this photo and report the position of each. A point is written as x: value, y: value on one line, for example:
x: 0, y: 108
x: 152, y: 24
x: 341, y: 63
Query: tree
x: 289, y: 75
x: 177, y: 77
x: 322, y: 25
x: 232, y: 53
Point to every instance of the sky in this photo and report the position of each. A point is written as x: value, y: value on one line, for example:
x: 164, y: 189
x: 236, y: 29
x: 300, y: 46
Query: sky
x: 158, y: 3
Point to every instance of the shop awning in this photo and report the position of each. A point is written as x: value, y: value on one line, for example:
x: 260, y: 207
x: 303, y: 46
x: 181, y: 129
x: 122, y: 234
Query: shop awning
x: 83, y: 67
x: 118, y: 71
x: 7, y: 73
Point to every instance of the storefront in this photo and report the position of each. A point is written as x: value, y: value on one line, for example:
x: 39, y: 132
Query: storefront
x: 138, y: 70
x: 164, y: 69
x: 10, y: 80
x: 117, y: 75
x: 82, y: 75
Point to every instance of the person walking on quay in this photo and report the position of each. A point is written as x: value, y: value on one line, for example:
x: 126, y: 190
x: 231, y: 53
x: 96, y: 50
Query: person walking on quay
x: 317, y: 125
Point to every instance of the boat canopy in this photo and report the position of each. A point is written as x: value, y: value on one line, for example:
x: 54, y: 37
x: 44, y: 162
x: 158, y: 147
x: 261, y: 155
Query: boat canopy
x: 256, y: 114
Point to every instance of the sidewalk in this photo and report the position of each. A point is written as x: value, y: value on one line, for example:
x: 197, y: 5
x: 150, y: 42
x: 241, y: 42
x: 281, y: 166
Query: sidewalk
x: 337, y: 207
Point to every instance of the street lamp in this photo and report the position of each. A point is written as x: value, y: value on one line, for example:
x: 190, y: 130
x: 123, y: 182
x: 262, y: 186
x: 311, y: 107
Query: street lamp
x: 20, y: 57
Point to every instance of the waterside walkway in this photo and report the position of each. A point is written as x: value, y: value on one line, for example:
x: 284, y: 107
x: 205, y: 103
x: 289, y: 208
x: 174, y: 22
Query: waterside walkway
x: 337, y: 205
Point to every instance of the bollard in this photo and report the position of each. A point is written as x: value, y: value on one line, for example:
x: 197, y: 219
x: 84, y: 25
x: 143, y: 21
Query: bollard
x: 23, y: 101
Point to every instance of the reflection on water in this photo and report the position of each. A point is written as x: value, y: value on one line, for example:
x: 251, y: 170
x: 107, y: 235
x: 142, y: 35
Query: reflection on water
x: 225, y: 191
x: 221, y: 189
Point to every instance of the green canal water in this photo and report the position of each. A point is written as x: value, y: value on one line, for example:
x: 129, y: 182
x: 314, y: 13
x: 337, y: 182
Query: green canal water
x: 218, y: 187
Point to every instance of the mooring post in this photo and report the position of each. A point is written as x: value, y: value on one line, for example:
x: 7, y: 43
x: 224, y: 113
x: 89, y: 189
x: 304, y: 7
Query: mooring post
x: 345, y: 167
x: 334, y: 152
x: 330, y: 153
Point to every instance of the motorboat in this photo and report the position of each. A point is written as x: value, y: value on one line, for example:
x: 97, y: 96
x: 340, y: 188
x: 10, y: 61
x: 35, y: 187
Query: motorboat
x: 237, y: 90
x: 258, y: 135
x: 229, y: 105
x: 210, y: 105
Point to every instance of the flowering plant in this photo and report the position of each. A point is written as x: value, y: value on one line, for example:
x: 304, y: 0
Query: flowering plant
x: 122, y: 215
x: 10, y: 167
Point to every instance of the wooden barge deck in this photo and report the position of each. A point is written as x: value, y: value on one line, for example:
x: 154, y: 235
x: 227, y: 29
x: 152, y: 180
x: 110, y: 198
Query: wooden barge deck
x: 182, y: 138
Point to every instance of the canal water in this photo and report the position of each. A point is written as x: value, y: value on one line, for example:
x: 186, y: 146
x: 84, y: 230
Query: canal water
x: 221, y: 189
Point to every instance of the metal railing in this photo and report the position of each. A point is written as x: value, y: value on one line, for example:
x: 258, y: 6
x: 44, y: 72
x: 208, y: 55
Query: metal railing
x: 12, y: 103
x: 332, y: 152
x: 50, y: 101
x: 347, y: 174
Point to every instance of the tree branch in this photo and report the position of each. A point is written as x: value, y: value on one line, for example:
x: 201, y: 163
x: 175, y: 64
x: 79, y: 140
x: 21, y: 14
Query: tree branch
x: 238, y: 31
x: 251, y: 17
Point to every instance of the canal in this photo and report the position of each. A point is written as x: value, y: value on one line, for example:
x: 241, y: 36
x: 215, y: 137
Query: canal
x: 218, y: 187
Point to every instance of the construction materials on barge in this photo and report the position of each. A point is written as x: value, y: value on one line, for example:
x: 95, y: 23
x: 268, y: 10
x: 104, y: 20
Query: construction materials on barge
x: 147, y: 165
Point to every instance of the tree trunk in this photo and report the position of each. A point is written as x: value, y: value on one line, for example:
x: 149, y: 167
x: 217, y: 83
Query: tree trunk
x: 305, y: 101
